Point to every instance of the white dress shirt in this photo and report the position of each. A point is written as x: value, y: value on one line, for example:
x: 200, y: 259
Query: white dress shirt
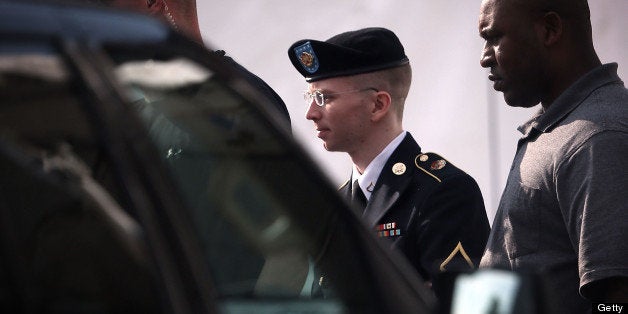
x: 368, y: 179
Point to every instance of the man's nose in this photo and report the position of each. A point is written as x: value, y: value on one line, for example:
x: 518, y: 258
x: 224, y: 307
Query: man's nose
x: 487, y: 58
x: 313, y: 111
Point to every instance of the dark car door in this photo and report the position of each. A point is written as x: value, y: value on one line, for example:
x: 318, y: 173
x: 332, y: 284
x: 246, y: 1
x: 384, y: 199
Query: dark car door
x: 151, y: 175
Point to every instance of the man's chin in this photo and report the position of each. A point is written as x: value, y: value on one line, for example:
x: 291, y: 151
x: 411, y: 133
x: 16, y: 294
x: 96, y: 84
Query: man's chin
x: 524, y: 105
x: 520, y: 102
x: 330, y: 148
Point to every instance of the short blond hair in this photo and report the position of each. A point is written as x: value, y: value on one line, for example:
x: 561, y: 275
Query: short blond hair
x: 396, y: 81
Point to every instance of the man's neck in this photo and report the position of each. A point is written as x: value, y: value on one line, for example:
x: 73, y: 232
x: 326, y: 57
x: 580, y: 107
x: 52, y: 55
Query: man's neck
x: 567, y: 70
x: 186, y: 19
x: 363, y: 156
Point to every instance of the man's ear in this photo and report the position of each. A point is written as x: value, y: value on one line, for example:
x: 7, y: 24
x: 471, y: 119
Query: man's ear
x: 155, y: 6
x: 551, y: 28
x: 383, y: 103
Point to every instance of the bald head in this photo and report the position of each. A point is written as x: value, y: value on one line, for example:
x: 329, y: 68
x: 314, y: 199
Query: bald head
x: 536, y: 48
x: 574, y: 17
x: 567, y: 8
x: 574, y: 13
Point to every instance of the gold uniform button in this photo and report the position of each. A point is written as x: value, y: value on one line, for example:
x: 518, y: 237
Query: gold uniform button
x: 423, y: 158
x: 399, y: 168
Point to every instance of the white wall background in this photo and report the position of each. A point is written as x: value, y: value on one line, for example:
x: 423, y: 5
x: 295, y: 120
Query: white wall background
x: 451, y: 110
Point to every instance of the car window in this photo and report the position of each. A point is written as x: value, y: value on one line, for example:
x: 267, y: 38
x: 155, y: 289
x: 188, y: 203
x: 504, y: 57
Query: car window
x: 66, y: 240
x: 240, y: 181
x: 34, y: 87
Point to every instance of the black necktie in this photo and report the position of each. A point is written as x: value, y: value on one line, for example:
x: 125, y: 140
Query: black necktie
x: 357, y: 197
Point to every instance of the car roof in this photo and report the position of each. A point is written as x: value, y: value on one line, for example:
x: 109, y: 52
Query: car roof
x: 81, y: 22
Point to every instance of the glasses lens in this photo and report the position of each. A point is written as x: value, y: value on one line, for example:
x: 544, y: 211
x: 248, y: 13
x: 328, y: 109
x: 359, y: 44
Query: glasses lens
x: 319, y: 98
x: 316, y: 96
x: 307, y: 96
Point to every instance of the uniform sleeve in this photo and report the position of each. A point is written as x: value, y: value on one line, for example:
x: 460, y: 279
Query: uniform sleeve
x: 592, y: 190
x: 454, y: 228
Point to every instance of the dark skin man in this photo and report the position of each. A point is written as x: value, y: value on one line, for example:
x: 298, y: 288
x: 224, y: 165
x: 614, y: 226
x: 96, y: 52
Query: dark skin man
x: 554, y: 211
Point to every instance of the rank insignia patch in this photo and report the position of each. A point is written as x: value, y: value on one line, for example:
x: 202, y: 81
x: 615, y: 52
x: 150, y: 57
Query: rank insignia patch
x: 458, y: 250
x: 307, y: 57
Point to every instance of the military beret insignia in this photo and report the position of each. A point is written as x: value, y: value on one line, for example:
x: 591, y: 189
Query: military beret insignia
x: 306, y: 56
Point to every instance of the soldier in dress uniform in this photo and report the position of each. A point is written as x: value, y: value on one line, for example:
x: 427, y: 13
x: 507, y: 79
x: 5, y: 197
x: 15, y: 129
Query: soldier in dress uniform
x: 427, y: 208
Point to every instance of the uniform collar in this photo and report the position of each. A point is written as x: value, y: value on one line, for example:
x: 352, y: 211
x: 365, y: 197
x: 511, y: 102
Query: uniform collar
x: 368, y: 179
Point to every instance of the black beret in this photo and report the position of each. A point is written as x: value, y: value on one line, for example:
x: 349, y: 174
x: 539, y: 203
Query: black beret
x: 361, y: 51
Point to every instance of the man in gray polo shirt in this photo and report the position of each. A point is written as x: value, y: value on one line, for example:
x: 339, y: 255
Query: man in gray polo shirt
x: 564, y: 211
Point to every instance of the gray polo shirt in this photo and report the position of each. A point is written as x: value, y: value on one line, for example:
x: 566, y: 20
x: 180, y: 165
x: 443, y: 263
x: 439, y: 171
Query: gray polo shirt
x: 564, y: 211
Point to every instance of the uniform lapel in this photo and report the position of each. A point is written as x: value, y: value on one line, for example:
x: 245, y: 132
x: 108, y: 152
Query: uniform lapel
x: 390, y: 186
x: 345, y: 189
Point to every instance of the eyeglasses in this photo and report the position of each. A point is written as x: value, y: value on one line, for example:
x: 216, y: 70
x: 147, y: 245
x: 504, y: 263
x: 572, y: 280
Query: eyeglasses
x: 320, y: 98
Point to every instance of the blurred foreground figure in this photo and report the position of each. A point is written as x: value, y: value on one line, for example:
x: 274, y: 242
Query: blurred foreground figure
x: 564, y: 211
x: 182, y: 15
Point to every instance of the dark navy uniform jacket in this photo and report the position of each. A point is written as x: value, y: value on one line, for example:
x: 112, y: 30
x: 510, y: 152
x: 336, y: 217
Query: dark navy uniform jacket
x: 430, y: 210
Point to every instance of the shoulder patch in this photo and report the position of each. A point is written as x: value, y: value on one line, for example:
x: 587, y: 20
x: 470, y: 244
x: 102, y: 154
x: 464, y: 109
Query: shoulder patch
x: 431, y: 164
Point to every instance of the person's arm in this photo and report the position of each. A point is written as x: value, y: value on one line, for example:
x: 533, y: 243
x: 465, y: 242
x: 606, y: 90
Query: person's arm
x: 591, y: 186
x: 609, y: 290
x: 452, y: 233
x: 454, y: 227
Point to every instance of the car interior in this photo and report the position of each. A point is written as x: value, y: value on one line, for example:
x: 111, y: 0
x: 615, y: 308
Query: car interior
x: 66, y: 242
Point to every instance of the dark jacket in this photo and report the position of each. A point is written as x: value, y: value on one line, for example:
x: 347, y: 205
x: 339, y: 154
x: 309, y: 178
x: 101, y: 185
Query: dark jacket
x: 431, y: 211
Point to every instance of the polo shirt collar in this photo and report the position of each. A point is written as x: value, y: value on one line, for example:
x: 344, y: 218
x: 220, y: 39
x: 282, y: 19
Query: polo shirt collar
x: 544, y: 120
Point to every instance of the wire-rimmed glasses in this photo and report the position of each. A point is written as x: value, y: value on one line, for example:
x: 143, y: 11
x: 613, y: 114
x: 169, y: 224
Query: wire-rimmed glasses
x: 319, y: 97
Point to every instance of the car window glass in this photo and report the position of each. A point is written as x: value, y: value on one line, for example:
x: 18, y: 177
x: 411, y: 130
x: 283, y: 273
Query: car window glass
x: 33, y: 87
x: 235, y: 175
x: 65, y: 239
